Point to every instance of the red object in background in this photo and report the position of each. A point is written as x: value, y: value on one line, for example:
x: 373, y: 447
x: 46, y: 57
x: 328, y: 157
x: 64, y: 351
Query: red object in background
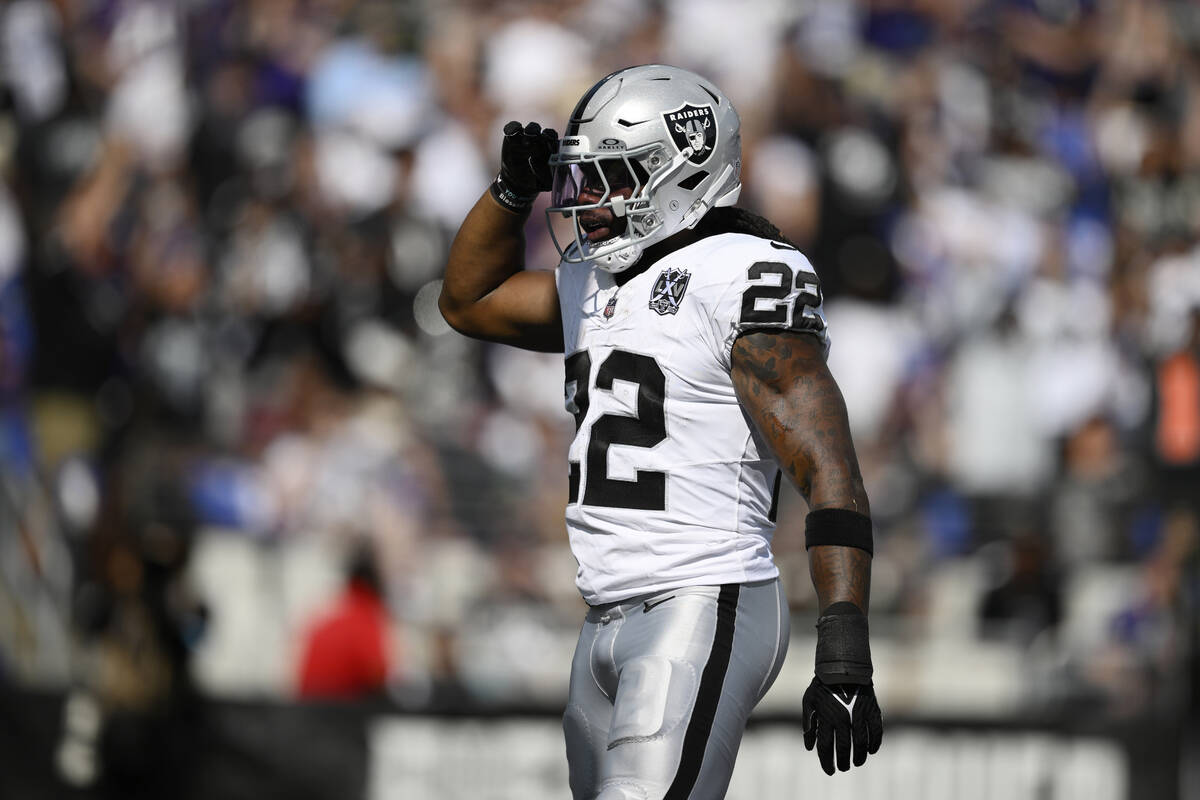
x: 1178, y: 436
x: 345, y: 653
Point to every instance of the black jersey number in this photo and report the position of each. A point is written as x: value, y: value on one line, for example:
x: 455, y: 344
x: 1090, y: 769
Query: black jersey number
x: 648, y: 491
x: 777, y: 313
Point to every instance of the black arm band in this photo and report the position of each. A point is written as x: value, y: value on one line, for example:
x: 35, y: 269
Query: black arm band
x: 838, y: 526
x: 506, y: 197
x: 843, y: 646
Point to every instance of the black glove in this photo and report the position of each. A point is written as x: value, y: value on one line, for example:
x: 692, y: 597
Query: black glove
x: 839, y: 708
x: 524, y: 165
x: 836, y: 717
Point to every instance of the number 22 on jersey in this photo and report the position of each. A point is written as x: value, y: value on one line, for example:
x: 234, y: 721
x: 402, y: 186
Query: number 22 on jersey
x: 648, y: 491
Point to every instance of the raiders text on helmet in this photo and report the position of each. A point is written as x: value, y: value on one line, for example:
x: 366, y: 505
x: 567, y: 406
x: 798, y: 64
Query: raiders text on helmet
x: 676, y: 140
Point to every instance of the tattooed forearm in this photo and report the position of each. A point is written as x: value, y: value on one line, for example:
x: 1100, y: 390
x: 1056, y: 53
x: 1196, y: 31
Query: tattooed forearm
x: 840, y: 574
x: 794, y: 402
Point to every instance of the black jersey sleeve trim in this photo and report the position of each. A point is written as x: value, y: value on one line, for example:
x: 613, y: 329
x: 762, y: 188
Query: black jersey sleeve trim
x: 773, y: 512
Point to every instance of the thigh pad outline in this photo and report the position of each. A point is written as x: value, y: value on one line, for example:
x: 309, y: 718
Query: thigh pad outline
x: 655, y: 695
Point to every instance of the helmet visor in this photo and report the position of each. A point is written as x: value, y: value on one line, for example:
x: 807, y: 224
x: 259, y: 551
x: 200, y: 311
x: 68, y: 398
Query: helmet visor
x: 592, y: 181
x: 599, y: 203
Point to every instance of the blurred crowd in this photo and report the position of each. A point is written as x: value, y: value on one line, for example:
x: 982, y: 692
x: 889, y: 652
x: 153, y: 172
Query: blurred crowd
x: 222, y: 226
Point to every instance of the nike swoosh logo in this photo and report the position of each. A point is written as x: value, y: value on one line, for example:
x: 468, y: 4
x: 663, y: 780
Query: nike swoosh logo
x: 646, y: 606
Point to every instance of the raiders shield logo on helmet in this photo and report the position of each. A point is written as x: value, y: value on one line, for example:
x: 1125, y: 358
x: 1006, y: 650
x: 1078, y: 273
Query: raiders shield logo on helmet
x: 668, y: 290
x: 694, y: 127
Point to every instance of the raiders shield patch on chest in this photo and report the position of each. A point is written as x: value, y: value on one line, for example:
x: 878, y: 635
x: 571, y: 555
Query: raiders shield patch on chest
x: 668, y: 290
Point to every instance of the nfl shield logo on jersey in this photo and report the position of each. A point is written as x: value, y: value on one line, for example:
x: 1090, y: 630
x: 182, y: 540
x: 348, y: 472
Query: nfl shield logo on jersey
x: 694, y: 127
x: 668, y: 290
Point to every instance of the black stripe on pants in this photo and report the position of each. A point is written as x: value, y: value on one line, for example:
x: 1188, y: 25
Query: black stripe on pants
x: 705, y: 712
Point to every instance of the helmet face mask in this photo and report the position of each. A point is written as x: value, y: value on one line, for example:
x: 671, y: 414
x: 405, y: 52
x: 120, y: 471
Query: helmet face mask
x: 589, y: 189
x: 646, y: 153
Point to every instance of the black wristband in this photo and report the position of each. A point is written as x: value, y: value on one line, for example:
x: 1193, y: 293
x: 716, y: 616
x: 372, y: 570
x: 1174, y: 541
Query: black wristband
x: 843, y: 646
x: 838, y: 526
x: 510, y: 199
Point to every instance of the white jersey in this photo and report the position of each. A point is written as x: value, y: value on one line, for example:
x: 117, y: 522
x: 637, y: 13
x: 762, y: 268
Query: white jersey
x: 669, y: 484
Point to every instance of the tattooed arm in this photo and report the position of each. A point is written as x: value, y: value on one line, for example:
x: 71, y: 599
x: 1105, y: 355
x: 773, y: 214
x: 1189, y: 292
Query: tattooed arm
x: 787, y: 390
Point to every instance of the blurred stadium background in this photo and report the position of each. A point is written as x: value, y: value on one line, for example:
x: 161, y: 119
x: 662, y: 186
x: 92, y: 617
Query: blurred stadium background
x: 225, y: 387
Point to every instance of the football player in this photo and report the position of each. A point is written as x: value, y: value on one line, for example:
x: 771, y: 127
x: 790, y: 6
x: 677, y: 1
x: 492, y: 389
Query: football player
x: 695, y: 344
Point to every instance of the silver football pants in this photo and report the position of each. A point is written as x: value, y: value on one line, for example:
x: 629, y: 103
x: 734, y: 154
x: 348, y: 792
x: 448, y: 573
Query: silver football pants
x: 662, y: 685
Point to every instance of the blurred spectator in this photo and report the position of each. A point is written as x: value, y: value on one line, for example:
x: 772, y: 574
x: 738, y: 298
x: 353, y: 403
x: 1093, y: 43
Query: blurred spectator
x: 783, y: 181
x: 140, y: 621
x: 995, y: 450
x: 346, y: 653
x: 1026, y: 598
x: 1093, y: 506
x: 1177, y: 429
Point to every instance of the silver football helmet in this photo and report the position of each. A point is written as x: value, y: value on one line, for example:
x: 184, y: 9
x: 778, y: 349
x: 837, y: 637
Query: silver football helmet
x: 657, y: 146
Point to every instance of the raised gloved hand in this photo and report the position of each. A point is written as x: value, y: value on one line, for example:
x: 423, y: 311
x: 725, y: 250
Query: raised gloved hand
x: 524, y: 165
x: 840, y: 713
